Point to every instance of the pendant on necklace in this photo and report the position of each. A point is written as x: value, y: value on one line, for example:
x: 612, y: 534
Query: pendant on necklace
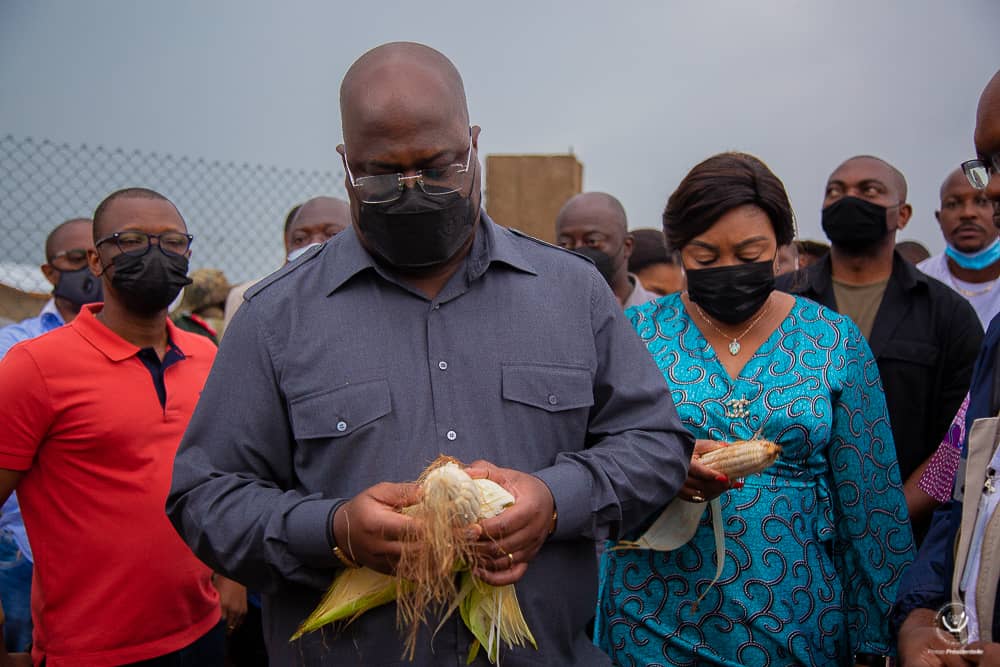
x: 734, y: 347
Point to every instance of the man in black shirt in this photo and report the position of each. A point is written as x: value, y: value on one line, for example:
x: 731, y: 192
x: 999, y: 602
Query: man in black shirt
x: 924, y: 335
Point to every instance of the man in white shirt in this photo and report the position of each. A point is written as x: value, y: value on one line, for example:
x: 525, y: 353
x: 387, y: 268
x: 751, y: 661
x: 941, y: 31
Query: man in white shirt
x: 971, y: 263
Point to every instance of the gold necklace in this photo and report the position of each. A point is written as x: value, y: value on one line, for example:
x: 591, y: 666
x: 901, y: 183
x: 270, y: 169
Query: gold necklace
x: 734, y: 344
x: 968, y: 293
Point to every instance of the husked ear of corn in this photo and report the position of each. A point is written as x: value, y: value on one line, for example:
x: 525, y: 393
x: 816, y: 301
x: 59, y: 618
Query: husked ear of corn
x: 451, y: 501
x: 425, y: 576
x: 742, y: 458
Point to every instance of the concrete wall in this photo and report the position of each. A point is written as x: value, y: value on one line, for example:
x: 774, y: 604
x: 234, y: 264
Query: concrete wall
x: 526, y: 191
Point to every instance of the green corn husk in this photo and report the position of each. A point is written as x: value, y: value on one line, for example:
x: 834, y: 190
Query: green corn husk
x: 492, y: 614
x: 352, y: 593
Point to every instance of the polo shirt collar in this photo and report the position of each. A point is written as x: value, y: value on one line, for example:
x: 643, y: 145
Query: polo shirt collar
x: 113, y: 346
x: 347, y: 257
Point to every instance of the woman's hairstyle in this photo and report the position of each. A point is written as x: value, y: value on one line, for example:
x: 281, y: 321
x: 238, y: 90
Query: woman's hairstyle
x: 720, y: 184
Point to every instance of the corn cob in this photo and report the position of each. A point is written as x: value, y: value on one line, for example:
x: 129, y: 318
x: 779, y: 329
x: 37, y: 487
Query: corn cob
x: 450, y: 501
x: 742, y: 458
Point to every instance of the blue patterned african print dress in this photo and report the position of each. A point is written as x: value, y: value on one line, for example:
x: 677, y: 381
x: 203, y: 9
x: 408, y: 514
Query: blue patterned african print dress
x: 815, y: 546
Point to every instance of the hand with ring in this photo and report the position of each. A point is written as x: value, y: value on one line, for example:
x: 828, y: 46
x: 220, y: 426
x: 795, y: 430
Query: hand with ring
x: 509, y: 541
x: 703, y: 483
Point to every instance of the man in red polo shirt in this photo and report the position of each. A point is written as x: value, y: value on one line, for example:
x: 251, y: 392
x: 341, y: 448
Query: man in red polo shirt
x: 93, y: 414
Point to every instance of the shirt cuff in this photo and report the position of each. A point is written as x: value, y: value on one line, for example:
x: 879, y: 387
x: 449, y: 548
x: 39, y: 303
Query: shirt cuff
x: 308, y: 532
x: 570, y: 488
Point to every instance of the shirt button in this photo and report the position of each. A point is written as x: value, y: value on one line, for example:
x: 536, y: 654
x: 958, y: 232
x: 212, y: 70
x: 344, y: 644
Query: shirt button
x: 451, y: 435
x: 341, y: 426
x: 443, y: 365
x: 552, y: 399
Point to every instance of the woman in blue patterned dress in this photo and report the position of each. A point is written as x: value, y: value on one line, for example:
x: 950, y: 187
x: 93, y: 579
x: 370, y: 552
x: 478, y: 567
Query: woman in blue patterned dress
x: 815, y: 545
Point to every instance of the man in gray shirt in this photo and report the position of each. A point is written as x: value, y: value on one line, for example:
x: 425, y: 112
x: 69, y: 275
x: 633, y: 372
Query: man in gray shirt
x: 424, y: 328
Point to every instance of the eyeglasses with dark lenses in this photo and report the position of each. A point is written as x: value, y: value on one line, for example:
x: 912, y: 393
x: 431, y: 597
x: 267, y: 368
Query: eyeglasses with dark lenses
x: 385, y: 188
x: 137, y: 243
x: 74, y: 257
x: 979, y: 171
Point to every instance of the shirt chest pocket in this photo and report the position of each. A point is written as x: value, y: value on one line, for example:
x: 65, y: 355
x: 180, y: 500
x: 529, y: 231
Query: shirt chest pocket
x: 340, y: 412
x: 548, y: 388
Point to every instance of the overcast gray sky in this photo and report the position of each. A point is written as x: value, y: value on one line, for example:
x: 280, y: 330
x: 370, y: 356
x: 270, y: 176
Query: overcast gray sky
x: 641, y: 91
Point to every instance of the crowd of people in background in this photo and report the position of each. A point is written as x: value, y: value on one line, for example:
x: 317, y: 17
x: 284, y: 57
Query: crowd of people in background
x: 188, y: 463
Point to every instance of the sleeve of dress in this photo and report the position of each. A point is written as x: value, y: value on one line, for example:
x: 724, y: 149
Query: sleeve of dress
x: 233, y: 497
x: 874, y: 543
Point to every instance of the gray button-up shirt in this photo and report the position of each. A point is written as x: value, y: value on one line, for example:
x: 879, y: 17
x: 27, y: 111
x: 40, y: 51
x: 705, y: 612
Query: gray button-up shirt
x: 334, y: 376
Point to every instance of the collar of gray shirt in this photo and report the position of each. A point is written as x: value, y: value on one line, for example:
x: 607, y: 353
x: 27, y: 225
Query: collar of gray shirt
x: 487, y: 248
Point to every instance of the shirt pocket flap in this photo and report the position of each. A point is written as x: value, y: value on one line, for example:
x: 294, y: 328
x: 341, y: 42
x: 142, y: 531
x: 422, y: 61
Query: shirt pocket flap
x: 913, y: 352
x: 551, y: 388
x: 340, y: 412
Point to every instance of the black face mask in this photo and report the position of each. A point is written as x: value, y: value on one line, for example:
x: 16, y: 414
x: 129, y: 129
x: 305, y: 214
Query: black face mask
x: 601, y: 260
x: 417, y: 230
x: 731, y: 294
x: 149, y: 283
x: 854, y: 225
x: 79, y: 287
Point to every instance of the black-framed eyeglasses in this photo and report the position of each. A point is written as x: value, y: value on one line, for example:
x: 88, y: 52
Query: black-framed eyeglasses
x: 385, y: 188
x: 74, y: 257
x: 979, y: 171
x: 138, y: 243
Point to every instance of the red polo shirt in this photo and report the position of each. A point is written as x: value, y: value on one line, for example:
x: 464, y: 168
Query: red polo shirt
x: 113, y: 581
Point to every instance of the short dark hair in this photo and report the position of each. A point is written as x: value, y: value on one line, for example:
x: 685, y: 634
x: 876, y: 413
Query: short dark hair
x: 127, y: 193
x: 649, y: 247
x: 812, y: 248
x: 720, y: 184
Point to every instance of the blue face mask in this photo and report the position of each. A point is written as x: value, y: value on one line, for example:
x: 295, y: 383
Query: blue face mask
x: 975, y: 261
x: 298, y: 252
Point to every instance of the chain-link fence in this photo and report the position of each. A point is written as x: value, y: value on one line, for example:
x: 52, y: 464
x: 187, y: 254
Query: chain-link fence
x: 235, y: 211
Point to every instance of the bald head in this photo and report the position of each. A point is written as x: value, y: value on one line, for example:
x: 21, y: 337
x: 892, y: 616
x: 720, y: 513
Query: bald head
x: 76, y: 233
x: 597, y: 209
x: 987, y: 136
x: 596, y: 221
x: 890, y: 175
x: 988, y: 111
x: 316, y: 221
x: 955, y: 181
x: 397, y: 87
x: 404, y: 111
